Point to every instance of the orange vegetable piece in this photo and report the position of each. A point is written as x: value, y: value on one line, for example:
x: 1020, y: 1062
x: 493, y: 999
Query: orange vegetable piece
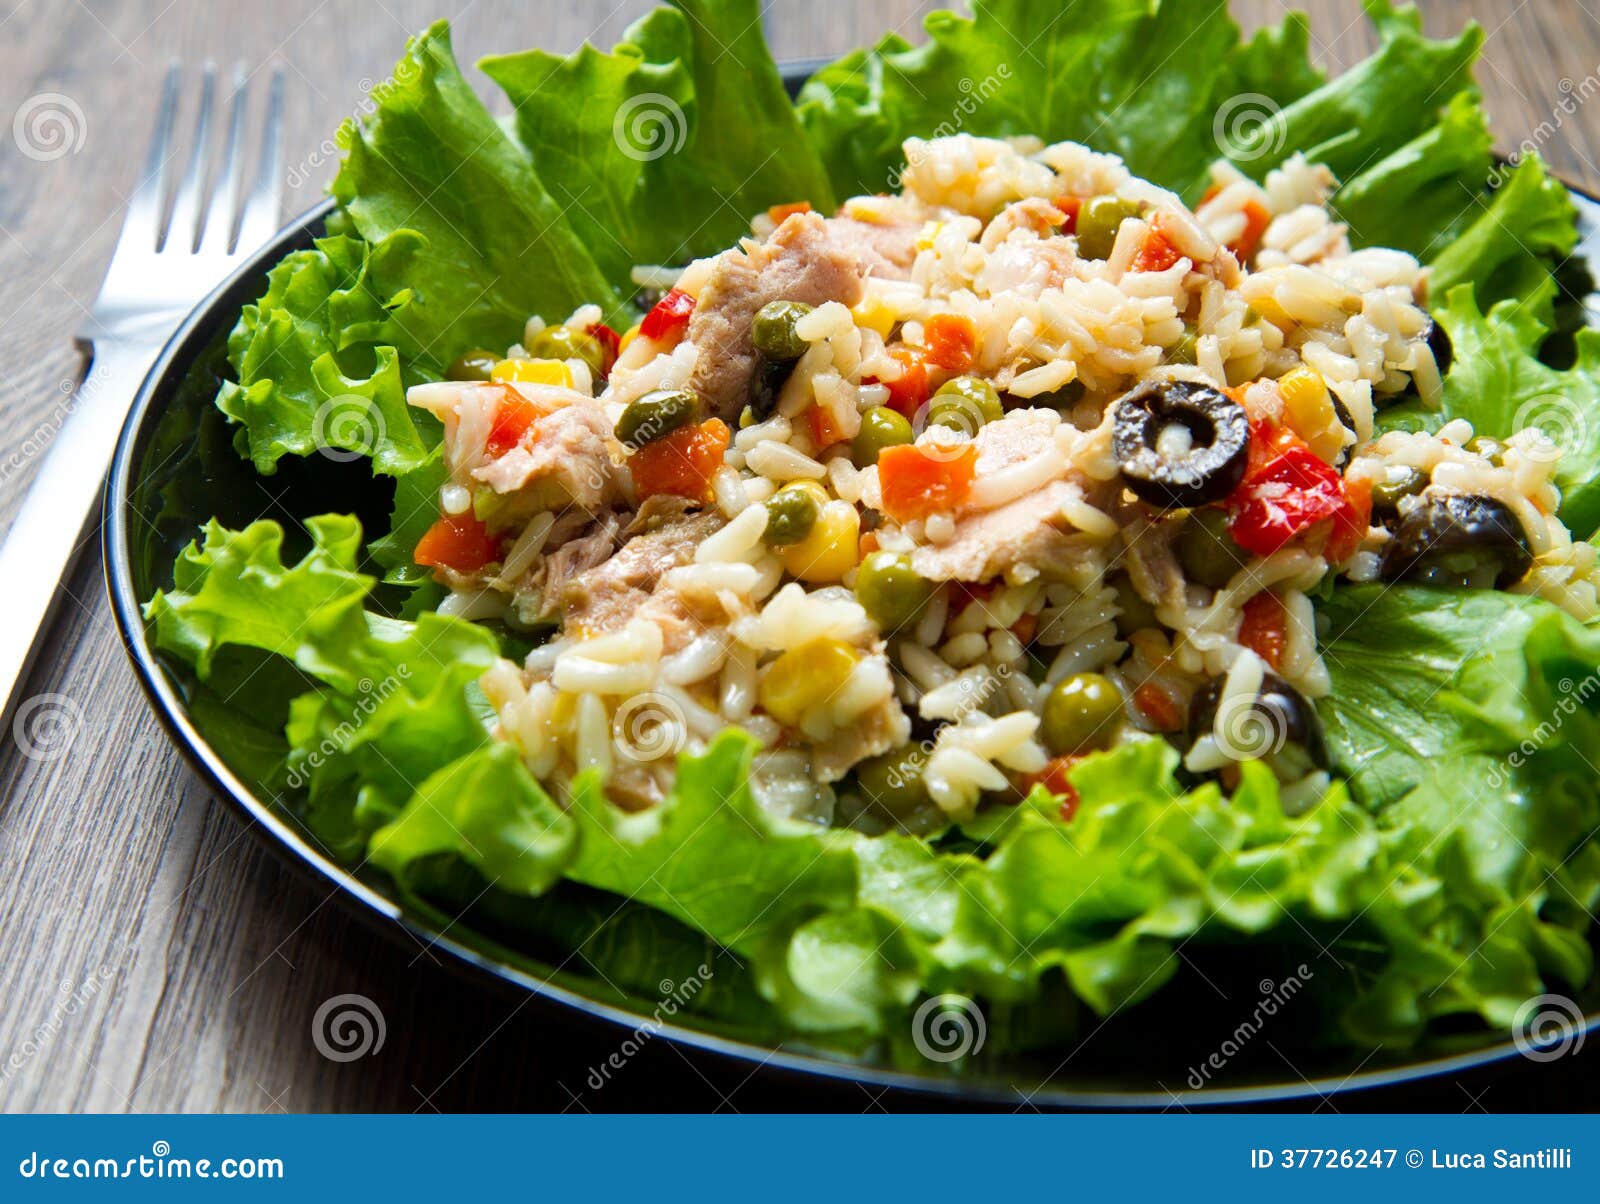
x: 824, y: 430
x: 1264, y: 628
x: 1053, y: 777
x: 1158, y: 254
x: 514, y: 415
x: 683, y: 462
x: 917, y: 481
x: 1156, y: 705
x: 1350, y: 524
x: 950, y: 341
x: 907, y: 393
x: 777, y: 213
x: 1256, y: 221
x: 457, y: 541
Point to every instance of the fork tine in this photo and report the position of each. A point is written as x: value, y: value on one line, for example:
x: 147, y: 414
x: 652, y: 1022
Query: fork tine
x: 143, y: 223
x: 222, y: 207
x: 260, y: 221
x: 183, y: 229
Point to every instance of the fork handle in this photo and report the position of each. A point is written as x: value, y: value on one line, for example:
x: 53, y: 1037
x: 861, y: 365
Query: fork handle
x: 57, y: 517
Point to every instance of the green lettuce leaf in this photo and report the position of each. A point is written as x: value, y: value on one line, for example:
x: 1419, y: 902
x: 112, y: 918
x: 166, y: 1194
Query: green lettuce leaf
x: 663, y: 149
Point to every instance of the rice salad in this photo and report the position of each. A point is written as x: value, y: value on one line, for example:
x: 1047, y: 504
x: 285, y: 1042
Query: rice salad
x: 940, y: 493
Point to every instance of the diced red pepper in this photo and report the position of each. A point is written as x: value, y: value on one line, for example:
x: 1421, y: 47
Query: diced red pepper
x: 917, y: 481
x: 1264, y: 627
x: 910, y: 389
x: 1053, y: 777
x: 1156, y: 705
x: 514, y: 416
x: 1157, y: 254
x: 949, y: 341
x: 670, y: 315
x: 1070, y: 205
x: 1256, y: 220
x: 683, y: 462
x: 778, y: 213
x: 1351, y: 524
x: 457, y: 541
x: 1283, y: 498
x: 610, y: 342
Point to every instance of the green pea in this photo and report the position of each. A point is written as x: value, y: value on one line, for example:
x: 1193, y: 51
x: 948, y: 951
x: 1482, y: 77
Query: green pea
x: 1492, y: 450
x: 1098, y: 222
x: 565, y: 343
x: 1206, y: 550
x: 1185, y: 349
x: 791, y: 513
x: 1399, y: 483
x: 881, y: 427
x: 891, y: 784
x: 1082, y: 713
x: 889, y: 589
x: 965, y: 404
x: 656, y: 414
x: 476, y: 364
x: 1133, y: 612
x: 773, y: 330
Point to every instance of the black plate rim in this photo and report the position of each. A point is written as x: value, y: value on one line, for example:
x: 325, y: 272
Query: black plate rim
x: 358, y: 898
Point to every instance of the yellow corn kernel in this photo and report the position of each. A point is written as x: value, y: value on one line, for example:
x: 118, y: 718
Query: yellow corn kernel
x: 1308, y: 409
x: 628, y: 336
x: 930, y: 231
x: 563, y: 712
x: 874, y: 314
x: 804, y: 678
x: 533, y: 372
x: 829, y: 551
x: 1267, y: 307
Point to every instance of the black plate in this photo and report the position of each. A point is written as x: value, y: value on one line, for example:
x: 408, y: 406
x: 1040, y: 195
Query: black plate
x: 172, y: 471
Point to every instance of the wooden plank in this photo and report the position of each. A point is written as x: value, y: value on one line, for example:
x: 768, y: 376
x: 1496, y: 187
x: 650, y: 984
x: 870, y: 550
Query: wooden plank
x: 155, y: 957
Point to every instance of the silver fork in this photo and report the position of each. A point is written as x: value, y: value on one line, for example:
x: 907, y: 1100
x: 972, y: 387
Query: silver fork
x: 159, y: 272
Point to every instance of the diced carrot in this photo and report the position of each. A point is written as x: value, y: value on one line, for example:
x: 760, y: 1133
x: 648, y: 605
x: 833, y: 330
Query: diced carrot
x: 1053, y: 777
x: 1256, y: 220
x: 950, y: 341
x: 1156, y: 705
x: 457, y: 541
x: 824, y: 426
x: 683, y: 462
x: 1264, y: 629
x: 866, y: 545
x: 777, y: 213
x: 909, y: 390
x: 1157, y: 254
x: 917, y: 481
x: 1026, y: 628
x: 1209, y: 193
x: 514, y: 416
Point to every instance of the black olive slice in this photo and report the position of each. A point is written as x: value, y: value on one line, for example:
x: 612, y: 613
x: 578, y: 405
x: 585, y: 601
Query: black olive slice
x: 1179, y: 443
x: 1459, y: 540
x: 1280, y: 727
x: 1439, y: 343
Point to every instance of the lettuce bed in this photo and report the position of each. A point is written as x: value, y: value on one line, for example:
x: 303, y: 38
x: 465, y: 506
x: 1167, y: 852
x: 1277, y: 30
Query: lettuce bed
x: 1449, y: 879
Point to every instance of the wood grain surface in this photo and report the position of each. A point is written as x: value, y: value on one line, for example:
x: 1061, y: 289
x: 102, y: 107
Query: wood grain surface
x: 153, y: 956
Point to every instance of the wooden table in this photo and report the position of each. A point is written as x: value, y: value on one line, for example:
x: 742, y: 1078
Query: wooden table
x: 152, y: 956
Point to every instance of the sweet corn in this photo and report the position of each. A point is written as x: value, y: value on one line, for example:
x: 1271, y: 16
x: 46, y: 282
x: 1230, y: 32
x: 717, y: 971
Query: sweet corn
x: 874, y: 314
x: 1308, y: 409
x: 930, y: 232
x: 1266, y: 306
x: 804, y: 678
x: 533, y: 372
x: 628, y: 336
x: 829, y: 551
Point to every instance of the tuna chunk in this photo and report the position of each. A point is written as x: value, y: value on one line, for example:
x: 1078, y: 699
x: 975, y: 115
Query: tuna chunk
x: 580, y: 544
x: 797, y: 263
x: 662, y: 537
x: 886, y: 251
x: 1020, y: 541
x: 564, y: 461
